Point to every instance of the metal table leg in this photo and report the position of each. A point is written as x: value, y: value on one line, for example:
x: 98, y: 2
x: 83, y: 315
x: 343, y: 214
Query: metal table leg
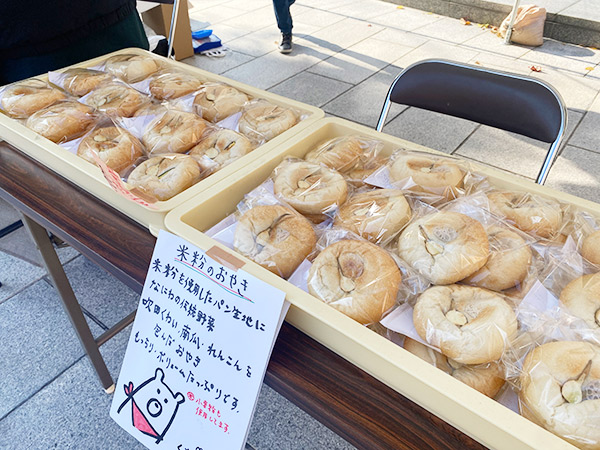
x: 69, y: 301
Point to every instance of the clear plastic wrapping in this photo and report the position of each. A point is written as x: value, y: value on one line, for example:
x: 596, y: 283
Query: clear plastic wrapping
x: 262, y: 120
x: 79, y: 81
x: 312, y: 189
x: 21, y: 100
x: 219, y: 147
x: 131, y: 68
x: 168, y: 84
x: 173, y: 132
x: 115, y: 99
x: 217, y: 101
x: 63, y: 121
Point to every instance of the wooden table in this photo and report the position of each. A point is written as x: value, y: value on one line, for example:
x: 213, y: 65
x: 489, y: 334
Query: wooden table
x: 353, y: 404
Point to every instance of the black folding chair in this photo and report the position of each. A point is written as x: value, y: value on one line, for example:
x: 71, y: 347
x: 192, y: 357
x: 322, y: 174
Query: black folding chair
x: 507, y: 101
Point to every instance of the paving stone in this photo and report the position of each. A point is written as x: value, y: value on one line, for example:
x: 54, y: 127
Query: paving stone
x: 8, y: 214
x: 509, y: 151
x: 400, y: 37
x: 257, y: 19
x: 16, y: 275
x: 583, y: 10
x: 364, y: 102
x: 249, y: 6
x: 430, y: 129
x: 436, y: 49
x: 228, y: 33
x: 407, y: 19
x: 587, y: 135
x: 344, y: 34
x: 279, y: 424
x: 578, y: 92
x: 561, y: 55
x: 310, y: 88
x: 360, y: 61
x: 257, y: 43
x: 450, y: 30
x: 502, y: 63
x: 367, y: 9
x: 19, y: 244
x: 218, y: 65
x: 100, y: 293
x: 316, y: 17
x: 490, y: 42
x: 38, y: 343
x: 215, y: 15
x: 576, y: 172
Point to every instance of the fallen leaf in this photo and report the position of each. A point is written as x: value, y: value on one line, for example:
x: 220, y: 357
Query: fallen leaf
x: 464, y: 21
x: 589, y: 68
x: 369, y: 25
x: 478, y: 63
x: 535, y: 68
x: 593, y: 48
x: 494, y: 29
x: 399, y: 7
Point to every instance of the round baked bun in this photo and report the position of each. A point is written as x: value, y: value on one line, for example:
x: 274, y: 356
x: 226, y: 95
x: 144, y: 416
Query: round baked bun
x: 221, y: 147
x: 542, y: 217
x: 508, y: 264
x: 444, y: 247
x: 116, y: 99
x: 377, y: 215
x: 261, y: 120
x: 115, y: 146
x: 63, y: 121
x: 170, y: 85
x: 79, y: 82
x: 165, y: 176
x: 590, y: 247
x: 357, y: 278
x: 468, y: 324
x: 131, y: 68
x: 342, y: 153
x: 424, y: 173
x: 560, y: 391
x: 311, y: 189
x: 173, y: 132
x: 485, y: 378
x: 21, y: 100
x: 218, y: 101
x: 275, y: 237
x: 581, y: 297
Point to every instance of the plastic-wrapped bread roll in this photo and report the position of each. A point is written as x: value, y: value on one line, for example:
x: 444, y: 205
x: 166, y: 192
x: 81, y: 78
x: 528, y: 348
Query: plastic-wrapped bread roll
x: 80, y: 82
x: 275, y: 237
x: 63, y: 121
x: 221, y: 147
x: 342, y: 153
x: 170, y: 85
x: 377, y: 215
x: 21, y: 100
x: 590, y: 247
x: 468, y: 324
x: 173, y: 132
x: 261, y: 120
x: 560, y: 391
x: 485, y: 378
x: 581, y: 297
x: 311, y: 189
x: 357, y: 278
x: 131, y: 68
x: 444, y: 247
x: 165, y: 176
x: 508, y: 264
x: 115, y: 146
x: 116, y: 99
x: 217, y: 101
x: 542, y: 217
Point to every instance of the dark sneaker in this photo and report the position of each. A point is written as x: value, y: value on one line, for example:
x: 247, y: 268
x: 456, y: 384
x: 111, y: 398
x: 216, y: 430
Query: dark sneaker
x: 286, y: 43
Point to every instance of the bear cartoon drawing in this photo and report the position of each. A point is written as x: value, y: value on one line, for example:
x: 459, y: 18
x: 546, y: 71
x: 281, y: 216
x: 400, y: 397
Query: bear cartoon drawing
x: 153, y: 405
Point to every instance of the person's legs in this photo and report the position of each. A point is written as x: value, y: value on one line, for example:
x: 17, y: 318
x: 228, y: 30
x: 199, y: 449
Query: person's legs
x: 284, y: 23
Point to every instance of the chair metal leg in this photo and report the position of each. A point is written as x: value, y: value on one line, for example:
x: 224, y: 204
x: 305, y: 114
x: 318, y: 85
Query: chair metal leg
x: 69, y: 301
x: 173, y: 26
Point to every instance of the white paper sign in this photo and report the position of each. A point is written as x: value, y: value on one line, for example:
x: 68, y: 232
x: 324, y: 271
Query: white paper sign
x: 198, y: 351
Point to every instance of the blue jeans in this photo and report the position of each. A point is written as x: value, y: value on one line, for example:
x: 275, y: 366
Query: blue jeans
x: 283, y: 16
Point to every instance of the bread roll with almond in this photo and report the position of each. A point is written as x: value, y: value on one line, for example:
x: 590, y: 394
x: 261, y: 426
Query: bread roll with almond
x: 173, y: 132
x: 115, y: 146
x: 171, y: 85
x: 23, y: 99
x: 444, y: 247
x: 560, y: 391
x: 581, y: 297
x: 508, y: 264
x: 377, y: 215
x: 221, y: 147
x: 357, y: 278
x: 80, y: 82
x: 218, y: 101
x: 261, y: 120
x: 590, y: 247
x: 468, y: 324
x: 542, y: 217
x: 63, y: 121
x: 131, y: 68
x: 485, y: 378
x: 165, y: 176
x: 311, y: 189
x: 116, y: 99
x: 341, y: 153
x: 275, y: 237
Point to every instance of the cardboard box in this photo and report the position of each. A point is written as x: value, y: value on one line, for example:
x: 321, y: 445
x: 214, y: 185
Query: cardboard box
x: 90, y: 178
x: 484, y: 419
x: 159, y: 19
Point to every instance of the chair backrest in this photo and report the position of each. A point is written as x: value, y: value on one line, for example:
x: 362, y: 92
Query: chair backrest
x: 510, y: 102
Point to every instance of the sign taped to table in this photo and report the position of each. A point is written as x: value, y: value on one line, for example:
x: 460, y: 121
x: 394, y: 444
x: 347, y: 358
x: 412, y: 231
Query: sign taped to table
x: 198, y: 351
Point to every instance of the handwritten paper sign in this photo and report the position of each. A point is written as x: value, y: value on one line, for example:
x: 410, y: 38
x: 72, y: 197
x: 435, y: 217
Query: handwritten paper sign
x: 198, y: 351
